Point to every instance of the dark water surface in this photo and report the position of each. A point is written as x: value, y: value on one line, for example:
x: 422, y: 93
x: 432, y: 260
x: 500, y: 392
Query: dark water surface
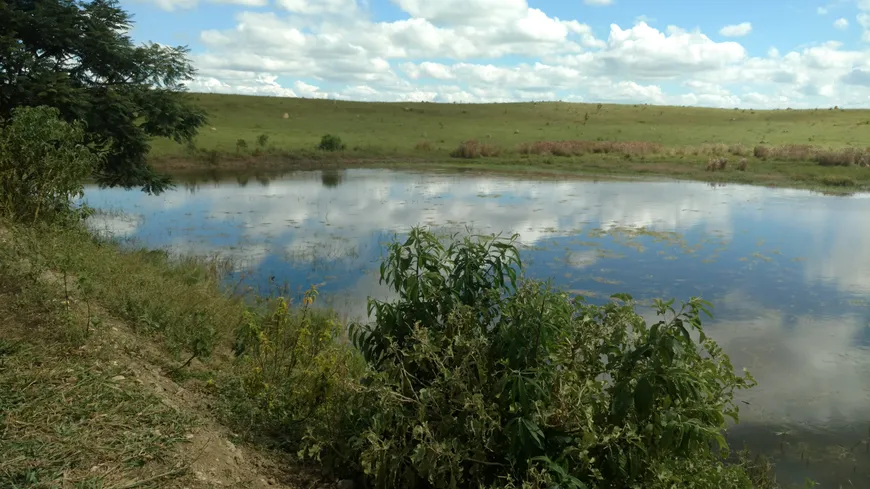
x: 788, y: 271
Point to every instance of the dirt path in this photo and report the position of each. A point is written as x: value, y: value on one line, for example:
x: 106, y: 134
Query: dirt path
x: 209, y: 456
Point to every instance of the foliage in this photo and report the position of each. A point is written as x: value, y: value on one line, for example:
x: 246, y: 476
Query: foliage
x: 293, y: 375
x: 331, y: 143
x: 241, y: 145
x: 263, y: 140
x: 43, y: 164
x: 77, y: 56
x: 485, y: 379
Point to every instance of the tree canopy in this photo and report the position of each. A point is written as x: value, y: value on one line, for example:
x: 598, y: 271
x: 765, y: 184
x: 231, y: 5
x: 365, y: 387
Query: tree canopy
x: 76, y: 56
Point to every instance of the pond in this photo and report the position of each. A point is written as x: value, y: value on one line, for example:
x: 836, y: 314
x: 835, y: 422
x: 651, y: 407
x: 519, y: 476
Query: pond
x: 788, y: 271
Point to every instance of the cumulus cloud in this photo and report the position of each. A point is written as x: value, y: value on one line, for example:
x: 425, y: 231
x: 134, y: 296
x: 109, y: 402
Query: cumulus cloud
x: 841, y: 24
x: 316, y: 7
x: 736, y: 30
x: 492, y: 51
x: 864, y: 21
x: 173, y: 5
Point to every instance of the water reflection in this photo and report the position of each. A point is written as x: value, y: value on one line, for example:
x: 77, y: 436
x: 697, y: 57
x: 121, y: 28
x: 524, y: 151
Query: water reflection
x: 788, y: 270
x: 331, y: 178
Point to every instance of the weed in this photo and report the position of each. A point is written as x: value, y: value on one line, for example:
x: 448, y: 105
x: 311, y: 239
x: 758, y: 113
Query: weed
x: 263, y: 140
x: 423, y: 146
x: 293, y: 373
x: 844, y: 157
x: 241, y: 145
x: 475, y: 149
x: 576, y: 148
x: 761, y: 152
x: 838, y: 181
x: 717, y: 164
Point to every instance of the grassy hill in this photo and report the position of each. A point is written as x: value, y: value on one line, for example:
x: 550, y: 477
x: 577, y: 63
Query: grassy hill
x: 673, y: 141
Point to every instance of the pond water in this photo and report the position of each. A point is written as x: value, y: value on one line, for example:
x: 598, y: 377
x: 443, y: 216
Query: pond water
x: 788, y: 271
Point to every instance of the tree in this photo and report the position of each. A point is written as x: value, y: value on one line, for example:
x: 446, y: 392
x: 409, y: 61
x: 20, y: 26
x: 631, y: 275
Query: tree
x: 76, y: 56
x: 43, y: 165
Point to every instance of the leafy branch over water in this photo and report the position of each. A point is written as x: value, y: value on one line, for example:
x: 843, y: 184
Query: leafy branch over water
x: 479, y: 377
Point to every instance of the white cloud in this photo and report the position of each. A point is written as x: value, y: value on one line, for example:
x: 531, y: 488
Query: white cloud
x: 821, y: 10
x: 598, y: 2
x: 736, y: 30
x: 644, y: 18
x: 841, y: 23
x: 246, y: 3
x: 864, y: 21
x: 316, y: 7
x: 489, y: 50
x: 172, y: 5
x: 463, y: 12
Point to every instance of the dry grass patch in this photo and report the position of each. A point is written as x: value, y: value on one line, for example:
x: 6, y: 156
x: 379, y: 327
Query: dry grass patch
x: 475, y: 149
x: 717, y: 164
x: 581, y: 147
x: 423, y: 146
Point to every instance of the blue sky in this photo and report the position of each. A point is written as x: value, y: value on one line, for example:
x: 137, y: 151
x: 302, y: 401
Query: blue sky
x: 801, y: 53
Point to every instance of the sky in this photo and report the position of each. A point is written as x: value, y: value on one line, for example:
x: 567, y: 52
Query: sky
x: 736, y: 53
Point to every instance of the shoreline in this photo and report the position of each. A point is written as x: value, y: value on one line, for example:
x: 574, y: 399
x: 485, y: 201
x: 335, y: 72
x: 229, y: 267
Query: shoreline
x: 803, y: 175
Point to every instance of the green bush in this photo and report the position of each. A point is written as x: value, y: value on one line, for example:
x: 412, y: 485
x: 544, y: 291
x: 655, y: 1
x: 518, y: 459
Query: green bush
x: 43, y: 165
x: 481, y: 378
x: 331, y: 143
x: 293, y: 375
x: 263, y: 140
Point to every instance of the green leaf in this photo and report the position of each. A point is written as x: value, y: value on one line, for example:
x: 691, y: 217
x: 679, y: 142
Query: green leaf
x: 643, y: 397
x: 622, y: 297
x: 685, y: 333
x: 534, y: 431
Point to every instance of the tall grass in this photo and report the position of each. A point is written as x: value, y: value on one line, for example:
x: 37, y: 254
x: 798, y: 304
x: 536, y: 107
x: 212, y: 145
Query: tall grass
x: 576, y: 148
x: 475, y: 149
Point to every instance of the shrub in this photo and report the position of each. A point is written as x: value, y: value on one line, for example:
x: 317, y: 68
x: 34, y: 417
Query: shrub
x: 43, y: 164
x: 742, y: 165
x: 739, y: 150
x: 844, y: 157
x: 761, y: 151
x: 331, y: 143
x: 575, y: 148
x: 423, y: 146
x: 482, y: 378
x: 241, y: 145
x: 474, y: 149
x: 292, y: 372
x: 794, y: 152
x: 263, y: 140
x: 717, y: 164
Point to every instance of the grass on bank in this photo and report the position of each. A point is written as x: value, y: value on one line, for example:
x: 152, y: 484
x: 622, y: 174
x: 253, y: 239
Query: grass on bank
x: 800, y: 148
x: 71, y: 414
